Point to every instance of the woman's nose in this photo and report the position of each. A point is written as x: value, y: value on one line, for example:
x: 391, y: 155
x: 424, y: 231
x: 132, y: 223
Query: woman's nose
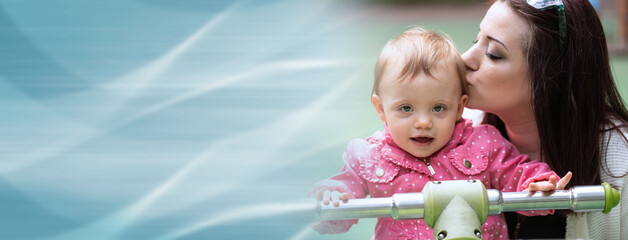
x: 423, y: 122
x: 469, y: 59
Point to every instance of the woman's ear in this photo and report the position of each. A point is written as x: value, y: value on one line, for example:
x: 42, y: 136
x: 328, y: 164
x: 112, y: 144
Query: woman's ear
x: 377, y: 103
x: 461, y: 104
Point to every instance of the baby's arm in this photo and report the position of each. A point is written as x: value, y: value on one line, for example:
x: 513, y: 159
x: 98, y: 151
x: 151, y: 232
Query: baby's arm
x: 343, y: 186
x: 512, y: 171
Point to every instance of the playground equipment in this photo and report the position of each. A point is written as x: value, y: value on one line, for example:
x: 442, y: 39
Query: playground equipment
x: 457, y: 209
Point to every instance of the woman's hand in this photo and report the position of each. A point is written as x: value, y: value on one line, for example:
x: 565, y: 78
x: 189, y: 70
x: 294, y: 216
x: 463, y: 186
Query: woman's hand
x: 326, y: 196
x: 550, y: 185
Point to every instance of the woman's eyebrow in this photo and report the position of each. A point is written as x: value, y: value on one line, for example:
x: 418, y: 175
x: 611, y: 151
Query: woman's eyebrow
x: 494, y: 39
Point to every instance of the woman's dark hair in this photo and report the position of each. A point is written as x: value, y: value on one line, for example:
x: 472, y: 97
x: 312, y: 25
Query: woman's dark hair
x: 573, y: 92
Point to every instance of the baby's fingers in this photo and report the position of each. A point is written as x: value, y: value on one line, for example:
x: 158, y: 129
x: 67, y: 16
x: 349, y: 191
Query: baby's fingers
x: 326, y: 197
x: 335, y: 198
x: 344, y: 197
x: 552, y: 184
x: 564, y: 181
x: 532, y: 187
x: 542, y: 186
x: 319, y: 195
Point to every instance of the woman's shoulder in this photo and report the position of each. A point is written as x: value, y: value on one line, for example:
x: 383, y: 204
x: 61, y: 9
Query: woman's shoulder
x: 614, y: 148
x: 615, y: 134
x: 616, y: 123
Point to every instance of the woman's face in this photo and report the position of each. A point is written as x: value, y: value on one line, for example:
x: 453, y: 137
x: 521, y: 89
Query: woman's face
x: 496, y: 66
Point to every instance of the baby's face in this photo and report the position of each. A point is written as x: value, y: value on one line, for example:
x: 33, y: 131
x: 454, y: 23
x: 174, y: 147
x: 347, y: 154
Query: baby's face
x: 421, y: 114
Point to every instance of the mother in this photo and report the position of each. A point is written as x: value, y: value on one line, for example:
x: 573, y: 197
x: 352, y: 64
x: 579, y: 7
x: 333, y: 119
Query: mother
x: 554, y: 98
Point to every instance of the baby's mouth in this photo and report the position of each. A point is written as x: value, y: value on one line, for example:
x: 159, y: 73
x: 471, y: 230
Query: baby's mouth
x: 423, y: 140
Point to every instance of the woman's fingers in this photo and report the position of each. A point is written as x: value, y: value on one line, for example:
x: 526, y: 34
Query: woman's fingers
x: 564, y: 181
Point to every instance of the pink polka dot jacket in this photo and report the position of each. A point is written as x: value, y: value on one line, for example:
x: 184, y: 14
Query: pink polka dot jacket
x: 376, y: 166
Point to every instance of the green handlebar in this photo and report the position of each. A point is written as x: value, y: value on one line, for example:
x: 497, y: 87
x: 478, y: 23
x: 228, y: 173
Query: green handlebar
x: 612, y: 197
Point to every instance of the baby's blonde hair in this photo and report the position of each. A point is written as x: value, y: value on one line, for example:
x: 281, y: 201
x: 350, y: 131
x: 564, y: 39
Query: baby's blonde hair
x: 419, y: 50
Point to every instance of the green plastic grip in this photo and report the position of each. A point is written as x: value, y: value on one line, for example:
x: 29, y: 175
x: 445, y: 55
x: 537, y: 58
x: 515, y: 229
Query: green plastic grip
x: 612, y: 197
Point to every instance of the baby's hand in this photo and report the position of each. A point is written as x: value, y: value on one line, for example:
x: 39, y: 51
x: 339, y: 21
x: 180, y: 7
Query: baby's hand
x: 550, y: 185
x: 335, y: 197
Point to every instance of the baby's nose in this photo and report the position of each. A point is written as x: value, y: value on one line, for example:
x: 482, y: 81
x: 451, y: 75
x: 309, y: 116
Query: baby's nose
x: 423, y: 122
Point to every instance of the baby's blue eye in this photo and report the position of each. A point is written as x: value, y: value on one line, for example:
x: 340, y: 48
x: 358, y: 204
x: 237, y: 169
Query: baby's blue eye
x: 438, y: 108
x: 406, y: 109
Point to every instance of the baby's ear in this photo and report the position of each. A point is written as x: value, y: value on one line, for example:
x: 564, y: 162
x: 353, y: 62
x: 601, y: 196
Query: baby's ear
x: 379, y: 107
x: 461, y: 104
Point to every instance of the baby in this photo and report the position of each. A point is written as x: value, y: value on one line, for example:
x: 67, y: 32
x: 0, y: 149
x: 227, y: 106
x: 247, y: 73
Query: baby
x: 419, y: 93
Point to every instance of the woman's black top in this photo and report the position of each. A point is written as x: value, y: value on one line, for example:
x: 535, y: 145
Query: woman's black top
x: 522, y: 227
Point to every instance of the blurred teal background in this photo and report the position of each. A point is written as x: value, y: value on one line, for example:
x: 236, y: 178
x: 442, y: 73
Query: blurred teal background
x: 157, y: 119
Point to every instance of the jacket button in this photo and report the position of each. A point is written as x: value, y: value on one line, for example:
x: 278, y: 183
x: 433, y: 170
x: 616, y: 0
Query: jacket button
x: 379, y: 172
x: 467, y: 163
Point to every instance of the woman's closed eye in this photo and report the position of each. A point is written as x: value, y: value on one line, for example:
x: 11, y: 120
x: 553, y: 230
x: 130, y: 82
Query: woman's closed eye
x: 438, y: 108
x: 493, y: 56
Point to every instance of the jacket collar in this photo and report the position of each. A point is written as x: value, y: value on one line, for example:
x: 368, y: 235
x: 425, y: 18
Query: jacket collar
x: 391, y: 152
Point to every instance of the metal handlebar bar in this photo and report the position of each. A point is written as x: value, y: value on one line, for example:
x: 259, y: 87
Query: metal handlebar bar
x: 469, y: 200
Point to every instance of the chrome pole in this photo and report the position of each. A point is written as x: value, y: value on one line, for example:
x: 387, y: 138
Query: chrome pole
x: 411, y: 205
